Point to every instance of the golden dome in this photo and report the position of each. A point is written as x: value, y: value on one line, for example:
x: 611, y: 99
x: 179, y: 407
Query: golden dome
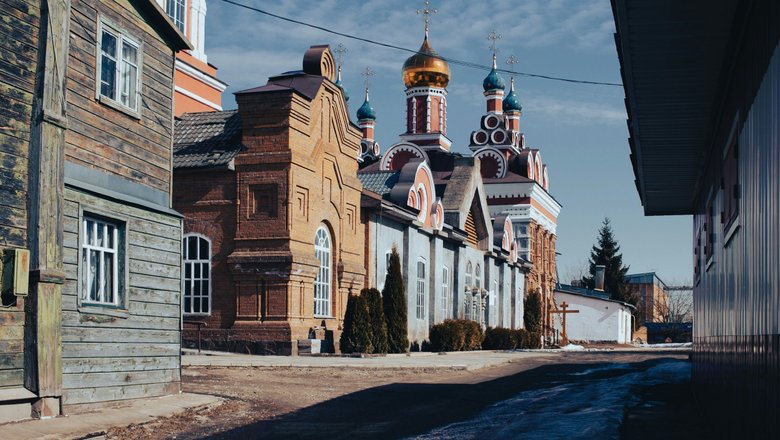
x: 426, y: 68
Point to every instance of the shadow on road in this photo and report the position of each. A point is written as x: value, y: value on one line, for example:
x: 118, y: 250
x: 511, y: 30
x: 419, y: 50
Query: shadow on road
x: 406, y: 409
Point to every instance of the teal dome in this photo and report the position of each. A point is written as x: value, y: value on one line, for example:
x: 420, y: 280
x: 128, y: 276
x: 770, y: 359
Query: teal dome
x: 512, y: 103
x: 366, y: 111
x: 493, y: 81
x: 343, y: 90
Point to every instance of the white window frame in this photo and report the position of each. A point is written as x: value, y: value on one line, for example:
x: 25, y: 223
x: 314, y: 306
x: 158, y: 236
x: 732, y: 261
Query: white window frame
x: 90, y: 249
x: 122, y: 39
x: 189, y: 266
x: 420, y: 309
x: 175, y: 7
x: 478, y: 276
x: 446, y: 282
x: 323, y: 282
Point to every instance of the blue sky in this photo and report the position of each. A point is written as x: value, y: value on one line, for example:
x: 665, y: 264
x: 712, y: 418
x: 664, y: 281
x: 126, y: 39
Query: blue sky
x: 580, y: 129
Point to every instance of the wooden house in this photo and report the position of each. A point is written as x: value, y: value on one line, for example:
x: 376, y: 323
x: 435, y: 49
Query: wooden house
x: 86, y: 149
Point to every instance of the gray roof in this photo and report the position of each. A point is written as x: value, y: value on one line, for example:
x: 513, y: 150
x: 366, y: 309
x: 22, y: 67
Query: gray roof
x: 589, y: 293
x: 206, y: 139
x: 379, y: 182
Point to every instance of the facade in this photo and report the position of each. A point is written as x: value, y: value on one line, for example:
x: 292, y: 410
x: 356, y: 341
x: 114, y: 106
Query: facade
x: 97, y: 315
x: 599, y: 319
x: 703, y: 117
x: 652, y: 295
x: 513, y: 179
x: 197, y: 88
x: 271, y: 202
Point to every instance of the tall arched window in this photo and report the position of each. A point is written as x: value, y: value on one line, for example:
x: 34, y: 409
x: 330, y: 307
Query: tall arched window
x: 468, y: 274
x: 197, y: 274
x: 322, y: 284
x: 478, y: 277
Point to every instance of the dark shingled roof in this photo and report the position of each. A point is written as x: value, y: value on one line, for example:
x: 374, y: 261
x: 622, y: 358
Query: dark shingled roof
x: 379, y: 182
x: 206, y: 139
x: 305, y: 84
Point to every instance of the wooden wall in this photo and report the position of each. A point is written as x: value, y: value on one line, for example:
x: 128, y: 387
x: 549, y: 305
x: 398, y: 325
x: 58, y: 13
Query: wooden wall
x: 137, y: 355
x: 101, y: 137
x: 19, y: 22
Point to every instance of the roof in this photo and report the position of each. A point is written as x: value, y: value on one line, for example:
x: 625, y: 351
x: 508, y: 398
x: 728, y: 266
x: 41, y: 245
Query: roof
x: 379, y: 182
x: 206, y: 139
x: 588, y: 293
x: 643, y: 278
x: 672, y: 57
x: 297, y: 80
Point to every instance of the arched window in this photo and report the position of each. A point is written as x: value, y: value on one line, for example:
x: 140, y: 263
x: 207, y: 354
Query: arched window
x: 478, y: 277
x: 322, y: 284
x: 468, y: 274
x: 420, y: 289
x: 197, y: 274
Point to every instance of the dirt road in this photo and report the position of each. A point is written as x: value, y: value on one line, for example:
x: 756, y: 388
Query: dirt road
x: 352, y: 403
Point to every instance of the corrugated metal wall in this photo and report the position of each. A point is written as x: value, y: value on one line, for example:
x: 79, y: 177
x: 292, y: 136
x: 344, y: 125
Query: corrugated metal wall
x: 737, y: 299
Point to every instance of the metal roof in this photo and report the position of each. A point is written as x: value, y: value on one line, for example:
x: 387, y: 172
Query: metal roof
x: 379, y: 182
x: 206, y: 139
x: 672, y: 56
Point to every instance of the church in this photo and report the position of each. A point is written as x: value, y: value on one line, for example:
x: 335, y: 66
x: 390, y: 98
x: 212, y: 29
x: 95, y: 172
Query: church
x: 290, y: 207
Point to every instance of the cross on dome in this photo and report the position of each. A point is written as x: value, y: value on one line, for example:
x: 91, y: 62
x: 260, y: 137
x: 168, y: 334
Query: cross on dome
x: 427, y: 12
x: 494, y: 37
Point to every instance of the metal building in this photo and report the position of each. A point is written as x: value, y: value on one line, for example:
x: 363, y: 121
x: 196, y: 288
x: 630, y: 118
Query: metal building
x: 702, y: 81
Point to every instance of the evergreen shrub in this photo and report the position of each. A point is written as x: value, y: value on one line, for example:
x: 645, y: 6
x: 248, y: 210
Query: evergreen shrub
x: 357, y: 334
x: 500, y: 339
x: 394, y: 302
x: 447, y: 336
x: 377, y: 317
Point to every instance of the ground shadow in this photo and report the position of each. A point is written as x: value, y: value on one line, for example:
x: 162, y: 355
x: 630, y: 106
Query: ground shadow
x: 405, y: 409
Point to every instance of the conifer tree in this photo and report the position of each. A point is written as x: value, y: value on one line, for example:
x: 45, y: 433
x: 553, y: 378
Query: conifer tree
x: 394, y: 301
x: 377, y: 316
x: 532, y: 312
x: 606, y: 253
x: 356, y: 337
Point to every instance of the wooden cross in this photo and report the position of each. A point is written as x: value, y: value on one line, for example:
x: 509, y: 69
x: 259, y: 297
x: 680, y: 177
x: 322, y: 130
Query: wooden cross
x: 427, y: 12
x: 564, y: 312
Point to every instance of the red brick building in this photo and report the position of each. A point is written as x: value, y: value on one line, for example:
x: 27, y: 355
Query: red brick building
x: 271, y: 202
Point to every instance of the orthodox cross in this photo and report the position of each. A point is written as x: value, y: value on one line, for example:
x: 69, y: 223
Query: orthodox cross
x: 427, y: 12
x: 564, y: 312
x: 340, y: 51
x: 512, y: 60
x: 367, y: 73
x: 494, y: 37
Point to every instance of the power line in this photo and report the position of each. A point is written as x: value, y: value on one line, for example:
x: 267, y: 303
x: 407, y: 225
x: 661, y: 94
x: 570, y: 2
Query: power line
x: 392, y: 46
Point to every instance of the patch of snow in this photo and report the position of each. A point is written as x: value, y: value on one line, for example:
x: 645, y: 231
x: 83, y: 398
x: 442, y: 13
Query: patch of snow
x: 667, y: 345
x: 581, y: 409
x: 572, y: 347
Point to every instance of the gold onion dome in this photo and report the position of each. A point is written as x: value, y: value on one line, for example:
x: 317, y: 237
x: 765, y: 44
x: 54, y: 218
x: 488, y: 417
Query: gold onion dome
x: 426, y: 68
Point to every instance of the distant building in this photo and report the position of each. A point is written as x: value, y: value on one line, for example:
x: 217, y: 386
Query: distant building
x: 197, y: 88
x: 702, y: 82
x: 651, y: 293
x: 599, y: 318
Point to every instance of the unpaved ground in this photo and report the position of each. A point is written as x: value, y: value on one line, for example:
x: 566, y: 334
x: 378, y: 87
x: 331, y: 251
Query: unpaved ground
x: 354, y: 403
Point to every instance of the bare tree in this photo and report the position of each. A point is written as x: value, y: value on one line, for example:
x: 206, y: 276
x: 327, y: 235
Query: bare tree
x: 575, y: 272
x: 678, y: 307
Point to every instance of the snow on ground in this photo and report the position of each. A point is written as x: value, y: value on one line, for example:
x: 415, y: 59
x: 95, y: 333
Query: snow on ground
x: 667, y: 345
x: 581, y: 409
x: 572, y: 347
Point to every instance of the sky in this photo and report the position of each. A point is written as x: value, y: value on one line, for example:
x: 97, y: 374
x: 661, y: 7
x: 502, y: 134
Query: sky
x: 580, y: 129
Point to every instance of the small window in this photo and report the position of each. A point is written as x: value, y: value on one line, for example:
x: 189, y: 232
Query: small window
x: 119, y: 72
x: 175, y: 10
x: 468, y: 275
x: 197, y: 275
x: 445, y: 290
x: 731, y: 190
x: 478, y: 277
x: 709, y: 233
x: 697, y: 257
x: 101, y: 257
x: 322, y: 283
x: 421, y: 289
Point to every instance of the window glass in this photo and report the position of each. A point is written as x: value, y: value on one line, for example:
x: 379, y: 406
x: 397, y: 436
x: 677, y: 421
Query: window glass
x: 99, y: 262
x: 322, y: 283
x: 197, y: 275
x: 119, y: 68
x: 108, y: 65
x: 421, y: 289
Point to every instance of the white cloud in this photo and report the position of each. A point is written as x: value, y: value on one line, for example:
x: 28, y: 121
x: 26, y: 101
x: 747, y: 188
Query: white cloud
x: 573, y: 112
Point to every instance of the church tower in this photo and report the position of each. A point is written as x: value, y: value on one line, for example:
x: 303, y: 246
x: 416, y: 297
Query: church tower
x: 369, y: 148
x: 426, y: 75
x: 197, y: 88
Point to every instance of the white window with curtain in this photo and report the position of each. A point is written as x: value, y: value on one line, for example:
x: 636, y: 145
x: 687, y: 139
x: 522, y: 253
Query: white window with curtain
x: 119, y: 67
x: 420, y: 289
x: 445, y: 291
x: 323, y: 281
x: 100, y: 259
x: 175, y: 9
x: 196, y: 250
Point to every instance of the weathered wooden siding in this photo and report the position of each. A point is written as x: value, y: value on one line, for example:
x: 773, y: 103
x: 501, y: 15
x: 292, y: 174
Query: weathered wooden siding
x: 101, y: 137
x: 19, y: 22
x: 137, y: 355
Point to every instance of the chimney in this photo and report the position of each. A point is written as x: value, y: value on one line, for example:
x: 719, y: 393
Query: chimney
x: 598, y: 277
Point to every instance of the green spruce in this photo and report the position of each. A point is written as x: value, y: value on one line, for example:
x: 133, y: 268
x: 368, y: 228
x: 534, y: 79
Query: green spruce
x: 357, y: 335
x: 607, y: 253
x: 394, y: 301
x: 532, y: 312
x: 377, y: 316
